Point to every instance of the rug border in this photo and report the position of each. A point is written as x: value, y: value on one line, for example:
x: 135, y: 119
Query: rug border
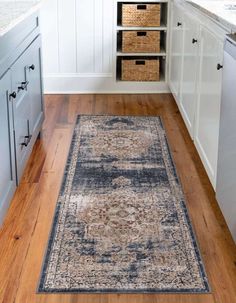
x: 195, y: 242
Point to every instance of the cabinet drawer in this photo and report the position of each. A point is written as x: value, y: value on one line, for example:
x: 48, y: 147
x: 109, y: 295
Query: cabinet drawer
x: 34, y: 88
x: 21, y: 112
x: 27, y: 104
x: 7, y: 168
x: 19, y: 82
x: 22, y: 132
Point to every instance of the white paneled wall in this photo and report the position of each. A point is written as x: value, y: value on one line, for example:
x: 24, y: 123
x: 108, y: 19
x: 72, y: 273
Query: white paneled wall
x: 79, y: 48
x: 67, y: 48
x: 94, y: 36
x: 77, y: 36
x: 49, y: 28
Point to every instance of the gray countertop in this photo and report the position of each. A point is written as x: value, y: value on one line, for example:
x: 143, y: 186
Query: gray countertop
x: 13, y: 12
x: 223, y: 11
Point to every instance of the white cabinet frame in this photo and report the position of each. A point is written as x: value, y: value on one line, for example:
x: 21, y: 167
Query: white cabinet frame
x: 200, y: 113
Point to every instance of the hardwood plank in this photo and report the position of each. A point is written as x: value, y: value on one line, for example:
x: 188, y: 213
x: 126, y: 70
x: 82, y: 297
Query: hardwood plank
x: 14, y: 240
x: 26, y: 229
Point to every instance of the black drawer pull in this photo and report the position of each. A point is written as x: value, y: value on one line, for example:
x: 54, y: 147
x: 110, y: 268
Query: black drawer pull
x: 140, y: 62
x: 179, y: 23
x: 219, y: 66
x: 23, y: 85
x: 25, y: 143
x: 141, y: 34
x: 194, y: 41
x: 28, y: 137
x: 26, y: 140
x: 13, y: 95
x: 32, y: 67
x: 141, y: 6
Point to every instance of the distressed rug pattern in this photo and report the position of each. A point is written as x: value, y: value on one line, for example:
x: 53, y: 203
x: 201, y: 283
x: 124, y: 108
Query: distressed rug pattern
x: 121, y: 223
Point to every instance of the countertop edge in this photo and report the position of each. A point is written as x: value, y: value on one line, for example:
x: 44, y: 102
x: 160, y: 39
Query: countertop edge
x: 21, y: 18
x: 226, y: 25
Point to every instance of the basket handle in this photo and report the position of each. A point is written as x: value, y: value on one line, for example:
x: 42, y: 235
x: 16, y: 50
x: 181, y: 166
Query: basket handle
x: 140, y: 62
x: 141, y: 6
x: 141, y: 34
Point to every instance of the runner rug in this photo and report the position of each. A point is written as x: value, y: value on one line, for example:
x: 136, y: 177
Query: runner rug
x: 121, y: 223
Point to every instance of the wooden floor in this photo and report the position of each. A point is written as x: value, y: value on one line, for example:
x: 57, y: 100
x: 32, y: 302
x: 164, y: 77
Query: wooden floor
x: 24, y: 235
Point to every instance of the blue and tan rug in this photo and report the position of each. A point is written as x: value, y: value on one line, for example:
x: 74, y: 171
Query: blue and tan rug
x: 121, y: 223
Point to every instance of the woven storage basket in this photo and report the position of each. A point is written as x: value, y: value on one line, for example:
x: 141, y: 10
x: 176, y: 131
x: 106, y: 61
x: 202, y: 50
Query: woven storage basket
x: 141, y: 14
x: 140, y: 41
x: 140, y: 70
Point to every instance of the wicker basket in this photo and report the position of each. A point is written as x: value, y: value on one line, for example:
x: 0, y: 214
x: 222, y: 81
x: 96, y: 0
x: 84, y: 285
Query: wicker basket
x: 141, y: 14
x: 140, y: 41
x: 140, y: 69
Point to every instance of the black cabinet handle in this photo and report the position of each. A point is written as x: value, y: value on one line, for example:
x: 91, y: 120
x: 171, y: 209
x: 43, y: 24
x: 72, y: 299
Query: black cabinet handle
x: 28, y: 137
x: 194, y: 41
x: 32, y: 67
x: 26, y: 141
x: 179, y: 23
x: 13, y: 95
x: 23, y: 85
x: 219, y: 66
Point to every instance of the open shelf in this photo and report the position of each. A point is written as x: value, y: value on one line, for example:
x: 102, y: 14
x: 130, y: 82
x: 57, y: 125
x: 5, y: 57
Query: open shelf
x: 161, y: 55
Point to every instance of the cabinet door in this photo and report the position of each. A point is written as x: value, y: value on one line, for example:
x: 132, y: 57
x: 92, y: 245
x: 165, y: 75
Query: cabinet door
x: 34, y: 88
x: 22, y: 113
x: 176, y: 50
x: 27, y: 106
x: 190, y: 71
x: 208, y: 106
x: 7, y: 164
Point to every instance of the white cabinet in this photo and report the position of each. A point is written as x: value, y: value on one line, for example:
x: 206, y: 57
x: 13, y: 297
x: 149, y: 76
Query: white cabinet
x: 176, y: 49
x: 196, y: 54
x: 208, y: 106
x: 188, y: 92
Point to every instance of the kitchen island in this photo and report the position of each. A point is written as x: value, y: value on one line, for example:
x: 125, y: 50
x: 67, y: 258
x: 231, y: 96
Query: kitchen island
x: 21, y: 92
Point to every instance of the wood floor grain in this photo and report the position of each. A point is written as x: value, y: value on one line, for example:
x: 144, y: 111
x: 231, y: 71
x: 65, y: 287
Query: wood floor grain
x: 24, y: 235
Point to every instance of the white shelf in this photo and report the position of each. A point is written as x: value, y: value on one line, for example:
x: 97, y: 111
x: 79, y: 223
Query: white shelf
x: 142, y: 1
x: 162, y: 55
x: 120, y: 54
x: 139, y: 28
x: 162, y: 80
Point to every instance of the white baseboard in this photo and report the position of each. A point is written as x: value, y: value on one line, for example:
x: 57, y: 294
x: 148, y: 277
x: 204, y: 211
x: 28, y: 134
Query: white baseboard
x: 98, y: 84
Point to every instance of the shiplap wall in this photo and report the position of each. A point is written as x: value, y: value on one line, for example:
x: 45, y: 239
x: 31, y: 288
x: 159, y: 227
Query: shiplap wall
x: 79, y: 48
x: 77, y: 36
